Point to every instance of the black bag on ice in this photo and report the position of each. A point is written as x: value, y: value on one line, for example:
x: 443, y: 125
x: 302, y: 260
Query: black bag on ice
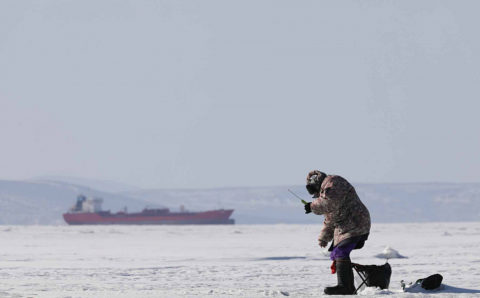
x: 432, y: 282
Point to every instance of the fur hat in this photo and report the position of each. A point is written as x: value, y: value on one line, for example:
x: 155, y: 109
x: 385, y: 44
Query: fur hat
x: 314, y: 182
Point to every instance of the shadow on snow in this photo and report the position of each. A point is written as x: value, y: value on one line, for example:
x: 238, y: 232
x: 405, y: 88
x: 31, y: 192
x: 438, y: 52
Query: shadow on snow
x: 280, y: 258
x: 444, y: 289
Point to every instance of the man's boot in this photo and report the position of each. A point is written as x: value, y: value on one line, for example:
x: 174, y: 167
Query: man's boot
x: 345, y: 279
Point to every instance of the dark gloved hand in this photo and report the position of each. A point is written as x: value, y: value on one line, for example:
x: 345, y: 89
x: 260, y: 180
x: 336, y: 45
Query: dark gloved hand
x: 308, y: 209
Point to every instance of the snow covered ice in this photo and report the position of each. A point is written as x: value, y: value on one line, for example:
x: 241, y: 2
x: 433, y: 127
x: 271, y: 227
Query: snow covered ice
x: 218, y: 261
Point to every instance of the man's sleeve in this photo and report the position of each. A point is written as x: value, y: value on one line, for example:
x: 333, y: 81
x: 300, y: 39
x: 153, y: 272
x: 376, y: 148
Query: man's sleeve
x: 327, y: 231
x: 321, y: 206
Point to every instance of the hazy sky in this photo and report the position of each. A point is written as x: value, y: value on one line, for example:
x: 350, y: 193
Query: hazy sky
x: 168, y: 94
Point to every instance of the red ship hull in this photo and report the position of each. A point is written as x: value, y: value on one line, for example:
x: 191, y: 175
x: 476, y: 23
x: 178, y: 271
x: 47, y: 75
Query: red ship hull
x: 186, y: 218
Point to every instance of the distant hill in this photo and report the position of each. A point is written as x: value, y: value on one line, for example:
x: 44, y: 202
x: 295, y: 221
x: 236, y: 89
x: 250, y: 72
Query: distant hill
x: 43, y: 202
x: 102, y: 185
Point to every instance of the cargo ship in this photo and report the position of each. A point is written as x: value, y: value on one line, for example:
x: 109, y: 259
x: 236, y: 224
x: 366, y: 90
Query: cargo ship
x: 88, y: 211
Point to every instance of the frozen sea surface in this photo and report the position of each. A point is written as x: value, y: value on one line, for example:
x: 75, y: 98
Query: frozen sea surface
x: 217, y: 261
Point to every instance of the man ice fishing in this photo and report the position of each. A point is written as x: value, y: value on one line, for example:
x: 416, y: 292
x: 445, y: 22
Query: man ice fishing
x: 347, y: 223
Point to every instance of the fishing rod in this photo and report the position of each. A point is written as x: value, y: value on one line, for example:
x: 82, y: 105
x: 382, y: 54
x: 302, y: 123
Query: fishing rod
x: 298, y: 197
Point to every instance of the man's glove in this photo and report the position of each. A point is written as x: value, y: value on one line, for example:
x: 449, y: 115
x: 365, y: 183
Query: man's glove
x: 308, y: 209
